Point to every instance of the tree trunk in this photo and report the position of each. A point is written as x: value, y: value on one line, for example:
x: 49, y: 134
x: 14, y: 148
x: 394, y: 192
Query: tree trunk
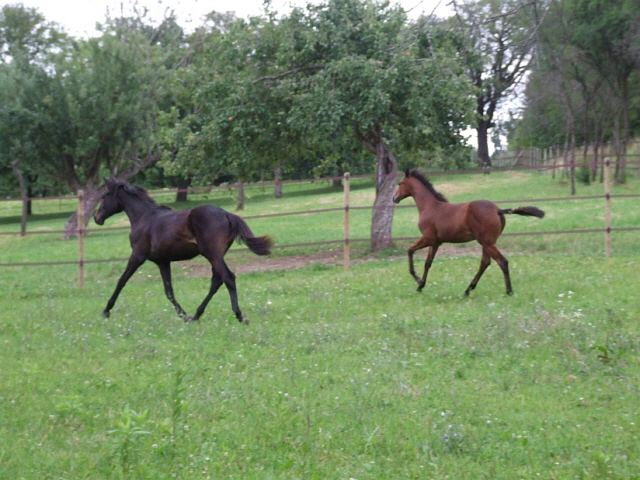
x: 240, y: 201
x: 183, y: 186
x: 383, y: 208
x: 387, y: 169
x: 596, y: 150
x: 483, y: 143
x: 91, y: 201
x: 24, y: 195
x: 572, y: 167
x: 616, y: 141
x: 277, y: 188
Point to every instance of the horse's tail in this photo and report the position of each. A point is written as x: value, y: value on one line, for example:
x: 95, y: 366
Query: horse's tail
x: 241, y: 232
x: 527, y: 211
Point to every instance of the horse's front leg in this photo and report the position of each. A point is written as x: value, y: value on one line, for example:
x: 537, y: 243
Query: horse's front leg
x: 484, y: 263
x: 132, y: 266
x: 165, y: 273
x: 427, y: 265
x: 421, y: 243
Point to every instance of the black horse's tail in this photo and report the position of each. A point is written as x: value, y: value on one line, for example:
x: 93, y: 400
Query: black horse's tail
x: 241, y: 232
x: 527, y: 211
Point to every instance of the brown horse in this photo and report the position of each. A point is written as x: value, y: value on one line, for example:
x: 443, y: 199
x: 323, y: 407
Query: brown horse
x: 163, y: 235
x: 443, y: 222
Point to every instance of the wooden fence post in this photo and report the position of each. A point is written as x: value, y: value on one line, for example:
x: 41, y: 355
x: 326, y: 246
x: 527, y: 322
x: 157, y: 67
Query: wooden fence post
x: 607, y: 207
x: 347, y: 248
x: 81, y: 232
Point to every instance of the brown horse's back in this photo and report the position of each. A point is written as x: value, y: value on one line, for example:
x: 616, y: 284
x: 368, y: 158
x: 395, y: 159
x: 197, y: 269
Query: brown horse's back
x: 479, y: 220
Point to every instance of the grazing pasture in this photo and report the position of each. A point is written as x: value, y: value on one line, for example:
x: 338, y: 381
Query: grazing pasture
x: 340, y: 374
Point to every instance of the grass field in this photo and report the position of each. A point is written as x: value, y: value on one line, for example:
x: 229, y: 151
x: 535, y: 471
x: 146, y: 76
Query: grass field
x: 340, y: 374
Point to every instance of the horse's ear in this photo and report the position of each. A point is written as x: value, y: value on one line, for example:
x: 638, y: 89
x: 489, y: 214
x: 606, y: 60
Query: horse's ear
x: 110, y: 182
x: 406, y: 172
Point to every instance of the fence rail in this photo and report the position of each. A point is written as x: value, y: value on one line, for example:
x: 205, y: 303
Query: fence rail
x: 346, y: 240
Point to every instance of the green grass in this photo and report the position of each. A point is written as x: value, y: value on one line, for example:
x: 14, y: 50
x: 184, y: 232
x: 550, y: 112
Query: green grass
x: 340, y: 374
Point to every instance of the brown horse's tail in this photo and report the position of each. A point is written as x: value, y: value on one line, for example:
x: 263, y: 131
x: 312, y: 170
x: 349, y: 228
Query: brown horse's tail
x: 527, y: 211
x: 241, y: 232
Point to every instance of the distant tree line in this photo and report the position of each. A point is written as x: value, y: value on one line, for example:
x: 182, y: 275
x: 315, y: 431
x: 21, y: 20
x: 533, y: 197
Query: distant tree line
x: 584, y: 87
x: 343, y: 85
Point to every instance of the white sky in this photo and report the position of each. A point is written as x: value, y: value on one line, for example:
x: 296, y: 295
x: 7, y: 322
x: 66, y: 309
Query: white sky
x: 79, y: 17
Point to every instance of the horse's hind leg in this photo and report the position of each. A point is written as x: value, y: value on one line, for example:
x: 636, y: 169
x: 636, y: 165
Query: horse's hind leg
x: 165, y: 272
x: 216, y: 281
x: 484, y: 263
x: 493, y: 251
x: 222, y: 274
x: 229, y: 280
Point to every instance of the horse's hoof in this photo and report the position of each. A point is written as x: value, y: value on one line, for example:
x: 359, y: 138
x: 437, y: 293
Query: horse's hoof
x: 105, y: 314
x: 189, y: 319
x: 244, y: 321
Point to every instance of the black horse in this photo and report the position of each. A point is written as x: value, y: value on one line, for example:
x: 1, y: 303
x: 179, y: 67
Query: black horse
x: 163, y: 235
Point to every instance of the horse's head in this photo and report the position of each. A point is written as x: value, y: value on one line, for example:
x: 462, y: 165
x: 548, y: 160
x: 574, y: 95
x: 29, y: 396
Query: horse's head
x: 403, y: 190
x: 109, y: 204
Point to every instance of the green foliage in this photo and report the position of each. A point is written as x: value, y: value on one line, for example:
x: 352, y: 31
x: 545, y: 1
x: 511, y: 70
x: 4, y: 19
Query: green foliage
x: 585, y: 80
x: 126, y: 439
x: 496, y: 42
x: 89, y: 106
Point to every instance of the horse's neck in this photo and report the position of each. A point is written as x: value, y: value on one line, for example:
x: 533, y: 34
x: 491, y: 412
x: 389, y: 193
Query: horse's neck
x: 422, y: 196
x: 135, y: 207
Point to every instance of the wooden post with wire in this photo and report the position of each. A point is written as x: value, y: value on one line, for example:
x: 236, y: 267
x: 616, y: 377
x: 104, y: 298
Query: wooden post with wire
x: 347, y: 247
x: 81, y: 232
x: 607, y: 207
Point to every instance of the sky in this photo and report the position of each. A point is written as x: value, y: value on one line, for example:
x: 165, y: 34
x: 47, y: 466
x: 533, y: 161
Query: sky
x: 79, y: 17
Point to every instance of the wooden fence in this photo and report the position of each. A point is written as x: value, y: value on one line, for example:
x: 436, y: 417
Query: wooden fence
x: 346, y: 241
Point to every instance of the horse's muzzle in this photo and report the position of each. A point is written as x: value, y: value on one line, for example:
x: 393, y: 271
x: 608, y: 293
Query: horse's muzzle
x: 396, y: 199
x: 98, y: 219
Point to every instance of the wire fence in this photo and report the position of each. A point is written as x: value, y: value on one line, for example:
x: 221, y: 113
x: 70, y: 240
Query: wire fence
x: 345, y: 241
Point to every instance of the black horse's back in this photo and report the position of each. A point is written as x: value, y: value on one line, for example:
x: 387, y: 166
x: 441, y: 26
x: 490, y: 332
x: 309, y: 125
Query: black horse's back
x: 210, y: 217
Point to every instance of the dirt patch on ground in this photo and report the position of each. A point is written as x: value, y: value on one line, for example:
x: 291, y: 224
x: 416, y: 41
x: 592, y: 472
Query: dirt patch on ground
x: 251, y: 263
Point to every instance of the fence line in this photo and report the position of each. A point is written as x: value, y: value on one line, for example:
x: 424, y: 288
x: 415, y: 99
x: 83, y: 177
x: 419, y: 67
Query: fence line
x: 346, y: 240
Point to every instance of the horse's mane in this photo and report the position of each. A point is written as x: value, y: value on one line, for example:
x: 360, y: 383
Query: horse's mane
x: 138, y: 192
x: 418, y: 175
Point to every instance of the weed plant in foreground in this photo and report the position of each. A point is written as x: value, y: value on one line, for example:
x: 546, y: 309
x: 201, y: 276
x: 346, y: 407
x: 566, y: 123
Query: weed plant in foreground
x: 340, y: 374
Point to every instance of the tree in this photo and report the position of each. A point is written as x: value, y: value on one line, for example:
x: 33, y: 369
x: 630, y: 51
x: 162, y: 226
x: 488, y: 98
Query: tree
x: 92, y: 110
x: 587, y: 47
x: 605, y: 32
x: 26, y: 43
x: 497, y: 40
x: 359, y: 66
